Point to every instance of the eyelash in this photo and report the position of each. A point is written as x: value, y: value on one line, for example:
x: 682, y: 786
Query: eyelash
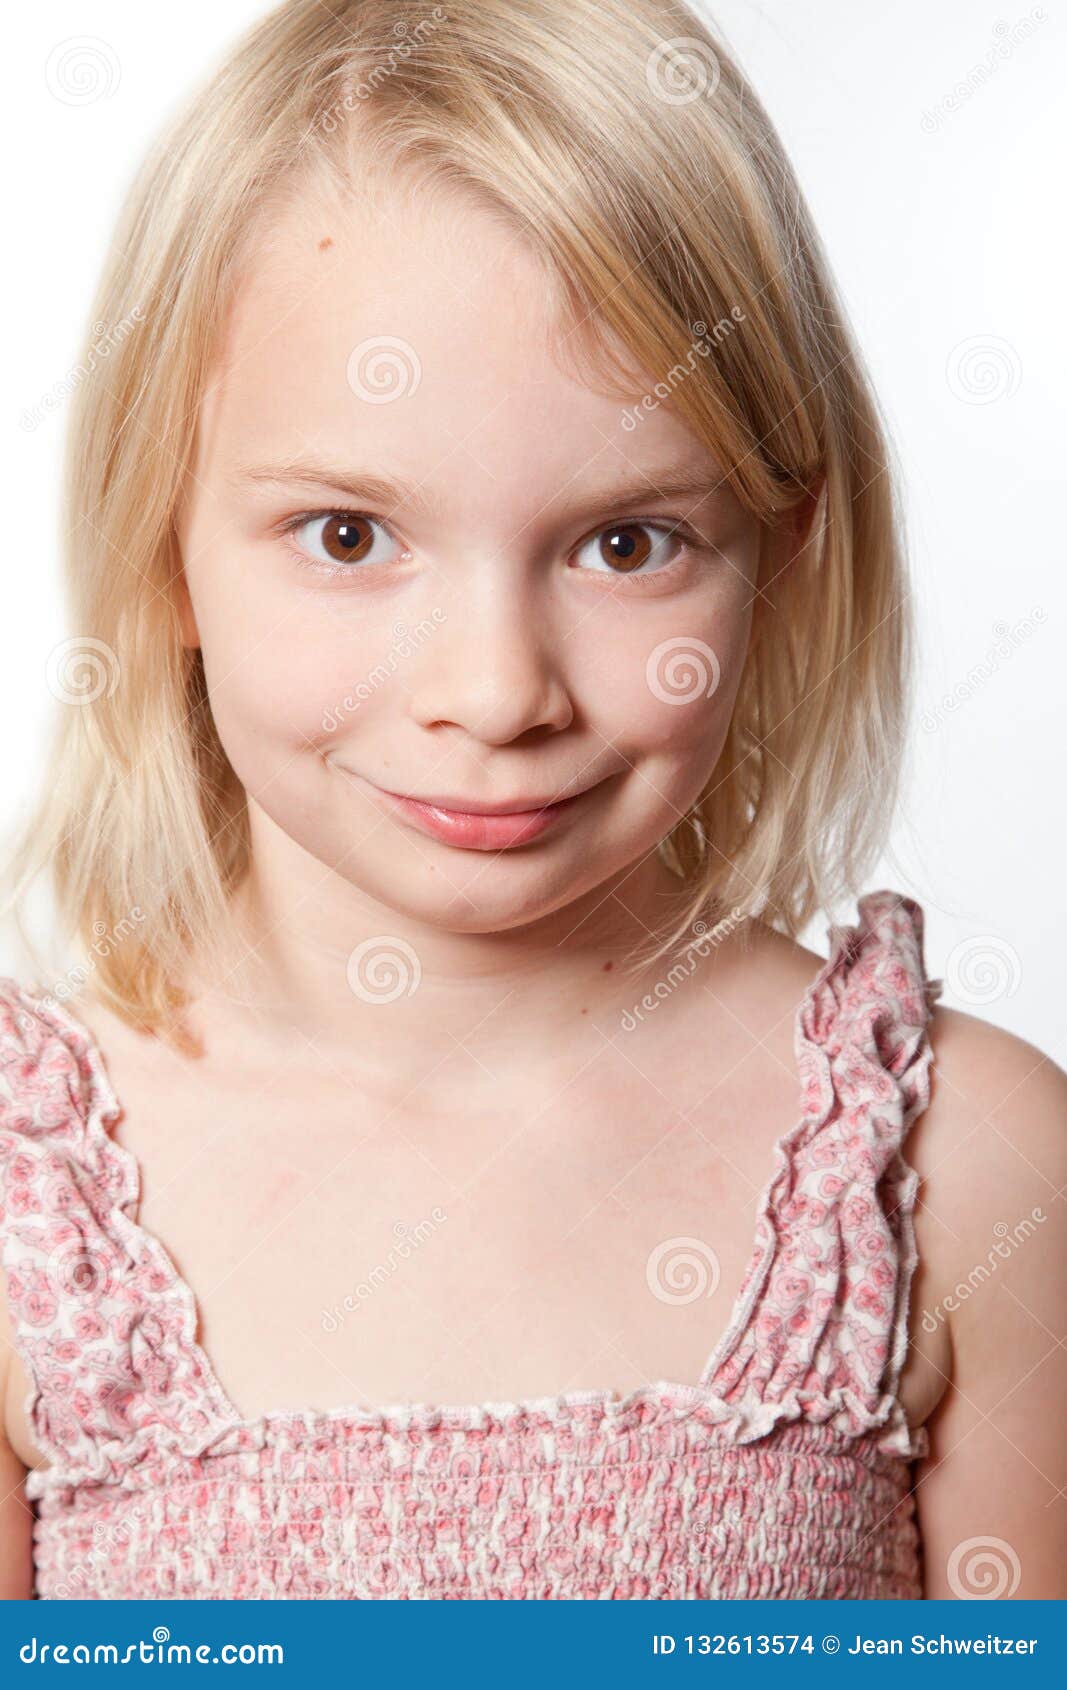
x: 681, y: 530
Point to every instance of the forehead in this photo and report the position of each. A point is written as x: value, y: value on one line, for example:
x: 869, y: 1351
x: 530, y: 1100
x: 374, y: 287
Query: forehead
x: 413, y: 324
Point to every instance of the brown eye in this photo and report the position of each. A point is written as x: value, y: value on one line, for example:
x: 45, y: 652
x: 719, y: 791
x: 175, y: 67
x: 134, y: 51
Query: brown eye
x: 346, y: 538
x: 628, y: 548
x: 625, y: 548
x: 343, y: 537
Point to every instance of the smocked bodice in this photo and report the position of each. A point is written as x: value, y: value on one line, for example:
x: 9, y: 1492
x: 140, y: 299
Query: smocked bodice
x: 783, y: 1472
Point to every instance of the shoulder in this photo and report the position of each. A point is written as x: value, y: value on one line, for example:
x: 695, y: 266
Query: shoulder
x: 25, y: 1036
x: 22, y: 1023
x: 989, y: 1138
x: 876, y: 958
x: 23, y: 1042
x: 59, y: 1174
x: 54, y: 1101
x: 992, y: 1152
x: 33, y: 1022
x: 44, y: 1067
x: 999, y: 1105
x: 995, y: 1135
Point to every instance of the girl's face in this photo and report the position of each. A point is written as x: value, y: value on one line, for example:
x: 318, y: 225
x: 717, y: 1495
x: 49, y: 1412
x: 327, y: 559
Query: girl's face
x: 425, y: 563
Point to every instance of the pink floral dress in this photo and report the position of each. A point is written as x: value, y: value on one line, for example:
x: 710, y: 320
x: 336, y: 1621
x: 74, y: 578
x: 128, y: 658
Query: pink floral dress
x: 785, y: 1472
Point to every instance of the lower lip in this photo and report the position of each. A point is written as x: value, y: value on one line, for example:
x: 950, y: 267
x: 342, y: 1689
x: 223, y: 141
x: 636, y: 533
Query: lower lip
x: 477, y: 833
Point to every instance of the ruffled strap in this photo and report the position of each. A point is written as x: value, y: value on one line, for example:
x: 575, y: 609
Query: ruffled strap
x: 99, y: 1318
x: 822, y: 1324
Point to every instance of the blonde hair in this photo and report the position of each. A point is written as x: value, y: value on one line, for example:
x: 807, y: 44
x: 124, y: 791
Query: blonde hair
x: 622, y: 139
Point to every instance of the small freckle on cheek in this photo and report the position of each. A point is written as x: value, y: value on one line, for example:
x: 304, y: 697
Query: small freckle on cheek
x: 327, y: 241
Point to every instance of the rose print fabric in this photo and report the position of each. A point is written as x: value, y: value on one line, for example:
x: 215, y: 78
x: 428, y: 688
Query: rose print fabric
x: 785, y: 1472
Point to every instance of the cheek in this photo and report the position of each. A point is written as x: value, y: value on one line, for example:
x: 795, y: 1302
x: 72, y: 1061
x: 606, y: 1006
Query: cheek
x: 282, y: 668
x: 665, y: 684
x: 280, y: 687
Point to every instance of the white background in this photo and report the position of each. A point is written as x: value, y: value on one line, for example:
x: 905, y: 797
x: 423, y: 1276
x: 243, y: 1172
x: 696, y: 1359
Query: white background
x: 938, y: 191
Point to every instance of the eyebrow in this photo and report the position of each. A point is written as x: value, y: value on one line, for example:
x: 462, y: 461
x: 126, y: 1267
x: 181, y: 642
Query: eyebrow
x: 633, y: 493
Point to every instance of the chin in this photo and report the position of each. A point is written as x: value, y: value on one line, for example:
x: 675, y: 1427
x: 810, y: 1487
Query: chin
x: 439, y: 900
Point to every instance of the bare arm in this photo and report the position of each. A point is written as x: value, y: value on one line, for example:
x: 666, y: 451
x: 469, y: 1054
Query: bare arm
x: 16, y: 1516
x: 990, y: 1496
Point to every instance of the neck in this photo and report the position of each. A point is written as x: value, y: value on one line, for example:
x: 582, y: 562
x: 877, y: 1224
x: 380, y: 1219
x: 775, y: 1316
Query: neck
x: 366, y: 986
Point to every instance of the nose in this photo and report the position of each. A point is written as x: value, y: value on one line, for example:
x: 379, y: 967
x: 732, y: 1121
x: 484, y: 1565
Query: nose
x: 492, y: 666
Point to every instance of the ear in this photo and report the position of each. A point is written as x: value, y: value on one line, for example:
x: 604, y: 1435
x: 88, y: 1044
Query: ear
x: 792, y: 530
x: 183, y: 605
x: 804, y: 513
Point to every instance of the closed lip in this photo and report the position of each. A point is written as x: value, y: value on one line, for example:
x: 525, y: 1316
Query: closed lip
x: 508, y: 807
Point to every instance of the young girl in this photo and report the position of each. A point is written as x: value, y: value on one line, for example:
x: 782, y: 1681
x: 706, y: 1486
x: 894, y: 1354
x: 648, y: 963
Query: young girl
x: 444, y: 1174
